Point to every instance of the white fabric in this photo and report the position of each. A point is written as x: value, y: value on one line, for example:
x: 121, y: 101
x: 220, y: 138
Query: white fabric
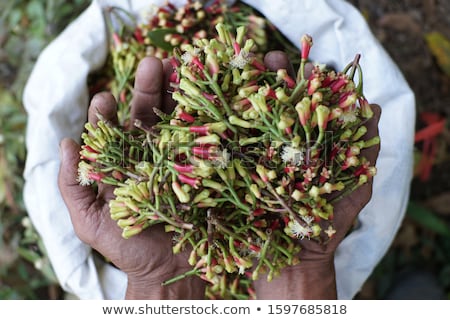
x: 56, y: 101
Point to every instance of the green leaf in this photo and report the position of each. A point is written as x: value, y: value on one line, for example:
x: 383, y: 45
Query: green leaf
x: 157, y: 38
x: 427, y: 219
x: 440, y: 48
x: 14, y: 17
x: 35, y: 9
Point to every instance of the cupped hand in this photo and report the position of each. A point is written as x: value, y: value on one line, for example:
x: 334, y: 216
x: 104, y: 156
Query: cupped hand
x: 147, y: 258
x: 347, y: 208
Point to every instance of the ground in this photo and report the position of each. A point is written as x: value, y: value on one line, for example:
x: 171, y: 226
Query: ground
x: 417, y: 259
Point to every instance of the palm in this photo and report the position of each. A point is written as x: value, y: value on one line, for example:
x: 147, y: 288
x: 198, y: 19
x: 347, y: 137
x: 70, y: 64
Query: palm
x: 148, y: 252
x: 151, y: 251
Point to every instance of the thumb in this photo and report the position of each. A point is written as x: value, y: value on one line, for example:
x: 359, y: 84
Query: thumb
x: 77, y: 198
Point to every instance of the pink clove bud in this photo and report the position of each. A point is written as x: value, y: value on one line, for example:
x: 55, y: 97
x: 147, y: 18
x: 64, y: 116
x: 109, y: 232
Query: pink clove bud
x: 307, y: 43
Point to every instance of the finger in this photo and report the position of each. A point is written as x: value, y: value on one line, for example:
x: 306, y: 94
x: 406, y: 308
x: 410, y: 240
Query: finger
x: 364, y: 193
x: 348, y: 208
x: 168, y: 104
x: 147, y: 91
x: 371, y: 153
x: 77, y: 198
x: 103, y: 104
x: 275, y: 60
x: 308, y: 69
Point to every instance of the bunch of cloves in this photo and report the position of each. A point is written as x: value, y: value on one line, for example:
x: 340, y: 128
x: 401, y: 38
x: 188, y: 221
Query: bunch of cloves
x: 249, y: 162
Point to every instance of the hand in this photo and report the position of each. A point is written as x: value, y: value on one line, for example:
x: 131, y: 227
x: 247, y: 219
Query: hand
x: 314, y: 276
x: 147, y: 259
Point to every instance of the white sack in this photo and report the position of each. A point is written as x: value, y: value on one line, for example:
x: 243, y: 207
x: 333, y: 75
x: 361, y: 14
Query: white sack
x: 56, y: 99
